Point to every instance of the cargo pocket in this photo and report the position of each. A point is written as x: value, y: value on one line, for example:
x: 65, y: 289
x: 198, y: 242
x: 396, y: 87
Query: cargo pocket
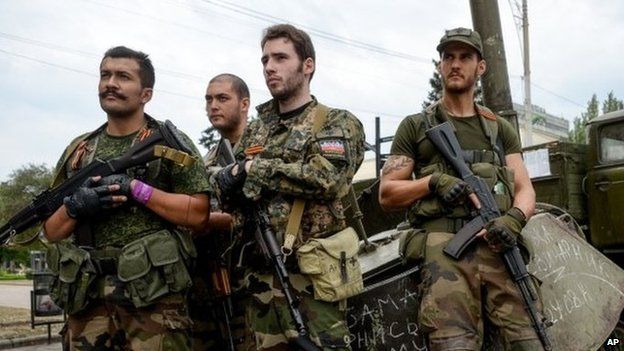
x: 152, y: 267
x: 73, y: 278
x: 143, y: 283
x: 163, y: 252
x: 412, y: 244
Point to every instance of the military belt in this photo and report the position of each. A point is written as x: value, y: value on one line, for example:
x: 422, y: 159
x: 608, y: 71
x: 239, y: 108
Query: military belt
x: 446, y: 225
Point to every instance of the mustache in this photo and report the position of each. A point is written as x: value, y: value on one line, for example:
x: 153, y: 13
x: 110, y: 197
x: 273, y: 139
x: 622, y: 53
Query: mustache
x: 112, y: 92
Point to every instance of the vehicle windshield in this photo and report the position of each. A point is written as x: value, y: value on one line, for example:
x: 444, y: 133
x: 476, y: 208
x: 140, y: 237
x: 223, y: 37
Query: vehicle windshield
x: 612, y: 143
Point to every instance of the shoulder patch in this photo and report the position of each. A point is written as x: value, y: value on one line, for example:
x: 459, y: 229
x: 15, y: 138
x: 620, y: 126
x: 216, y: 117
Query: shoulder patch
x: 333, y: 148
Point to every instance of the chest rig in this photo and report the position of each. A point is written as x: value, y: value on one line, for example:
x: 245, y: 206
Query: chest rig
x: 83, y: 151
x: 432, y: 214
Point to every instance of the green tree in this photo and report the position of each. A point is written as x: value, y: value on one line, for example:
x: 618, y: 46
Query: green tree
x: 577, y: 134
x: 612, y: 103
x: 435, y: 93
x: 23, y: 185
x: 209, y: 137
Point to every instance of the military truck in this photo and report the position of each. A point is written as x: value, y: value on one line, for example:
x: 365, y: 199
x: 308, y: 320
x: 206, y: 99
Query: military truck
x: 587, y: 181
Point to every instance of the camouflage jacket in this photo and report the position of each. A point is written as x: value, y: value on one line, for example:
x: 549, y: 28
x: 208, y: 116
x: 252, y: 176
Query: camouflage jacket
x: 293, y: 163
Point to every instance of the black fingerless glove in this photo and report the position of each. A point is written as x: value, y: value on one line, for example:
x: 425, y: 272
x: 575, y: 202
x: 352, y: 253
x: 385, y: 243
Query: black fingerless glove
x: 88, y: 200
x: 231, y: 184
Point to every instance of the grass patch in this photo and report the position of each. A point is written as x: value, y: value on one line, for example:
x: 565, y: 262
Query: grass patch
x: 11, y: 276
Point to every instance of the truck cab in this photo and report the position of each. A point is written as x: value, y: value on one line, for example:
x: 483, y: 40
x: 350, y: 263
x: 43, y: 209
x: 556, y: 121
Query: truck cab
x: 604, y: 183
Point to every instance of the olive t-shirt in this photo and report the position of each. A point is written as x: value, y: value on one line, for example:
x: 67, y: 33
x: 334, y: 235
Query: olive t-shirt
x: 409, y: 137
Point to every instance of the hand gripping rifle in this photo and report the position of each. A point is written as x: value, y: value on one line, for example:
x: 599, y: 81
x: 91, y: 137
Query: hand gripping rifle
x: 444, y: 139
x: 163, y: 142
x: 265, y: 236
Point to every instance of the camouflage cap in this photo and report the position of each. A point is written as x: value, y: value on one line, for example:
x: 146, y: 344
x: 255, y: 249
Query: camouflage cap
x: 462, y: 35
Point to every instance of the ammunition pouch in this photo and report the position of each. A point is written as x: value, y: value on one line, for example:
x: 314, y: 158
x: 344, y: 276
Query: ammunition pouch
x: 154, y: 266
x: 74, y: 275
x: 500, y: 179
x: 332, y: 265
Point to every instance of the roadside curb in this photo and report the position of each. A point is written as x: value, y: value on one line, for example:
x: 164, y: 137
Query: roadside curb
x: 27, y: 341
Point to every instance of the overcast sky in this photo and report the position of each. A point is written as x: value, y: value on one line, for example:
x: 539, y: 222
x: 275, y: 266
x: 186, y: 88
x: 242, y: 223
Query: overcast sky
x: 50, y: 53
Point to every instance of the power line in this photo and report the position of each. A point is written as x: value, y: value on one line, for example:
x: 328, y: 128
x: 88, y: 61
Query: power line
x: 550, y: 92
x: 47, y: 63
x: 319, y: 33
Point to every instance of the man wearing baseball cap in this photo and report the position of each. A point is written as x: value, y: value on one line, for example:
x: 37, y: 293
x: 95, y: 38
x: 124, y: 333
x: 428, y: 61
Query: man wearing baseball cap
x: 460, y: 295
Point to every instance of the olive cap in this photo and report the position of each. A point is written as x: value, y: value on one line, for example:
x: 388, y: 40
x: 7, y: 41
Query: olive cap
x: 462, y: 35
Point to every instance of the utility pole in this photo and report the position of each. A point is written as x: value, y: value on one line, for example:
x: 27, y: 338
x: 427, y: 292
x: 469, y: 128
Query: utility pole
x: 528, y: 108
x: 495, y: 81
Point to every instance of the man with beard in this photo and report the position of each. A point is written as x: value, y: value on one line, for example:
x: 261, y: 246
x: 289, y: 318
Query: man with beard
x: 227, y: 104
x: 123, y: 277
x: 417, y: 177
x: 281, y: 159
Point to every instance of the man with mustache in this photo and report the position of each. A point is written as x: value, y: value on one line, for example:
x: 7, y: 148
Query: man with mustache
x: 123, y: 276
x: 227, y: 104
x: 280, y: 159
x: 459, y: 295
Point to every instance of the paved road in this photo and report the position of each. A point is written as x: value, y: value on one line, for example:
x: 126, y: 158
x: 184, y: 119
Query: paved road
x: 43, y: 347
x: 15, y: 293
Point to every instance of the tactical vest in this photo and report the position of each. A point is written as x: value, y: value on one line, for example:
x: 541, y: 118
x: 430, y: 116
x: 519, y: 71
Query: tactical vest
x: 430, y: 212
x: 82, y: 150
x: 150, y: 266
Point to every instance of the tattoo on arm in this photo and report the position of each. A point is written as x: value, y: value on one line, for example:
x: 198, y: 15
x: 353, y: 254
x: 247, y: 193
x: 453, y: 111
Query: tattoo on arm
x: 395, y: 163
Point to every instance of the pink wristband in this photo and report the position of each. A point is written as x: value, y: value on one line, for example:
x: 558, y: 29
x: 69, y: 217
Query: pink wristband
x: 142, y: 192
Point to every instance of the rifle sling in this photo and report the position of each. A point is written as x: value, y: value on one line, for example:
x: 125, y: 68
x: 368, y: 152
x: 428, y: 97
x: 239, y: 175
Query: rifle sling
x: 296, y: 212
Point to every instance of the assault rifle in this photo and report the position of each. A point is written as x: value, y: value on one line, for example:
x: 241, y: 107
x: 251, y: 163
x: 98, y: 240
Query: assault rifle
x: 163, y: 142
x: 265, y: 236
x: 444, y: 139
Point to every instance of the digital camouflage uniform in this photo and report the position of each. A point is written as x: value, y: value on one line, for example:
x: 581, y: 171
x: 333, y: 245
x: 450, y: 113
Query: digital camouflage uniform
x: 459, y: 295
x: 294, y: 163
x: 206, y: 310
x: 110, y: 320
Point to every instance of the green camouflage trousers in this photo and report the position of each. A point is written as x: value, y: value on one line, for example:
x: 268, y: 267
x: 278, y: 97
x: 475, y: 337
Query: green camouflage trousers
x: 269, y: 322
x: 458, y: 295
x: 113, y: 323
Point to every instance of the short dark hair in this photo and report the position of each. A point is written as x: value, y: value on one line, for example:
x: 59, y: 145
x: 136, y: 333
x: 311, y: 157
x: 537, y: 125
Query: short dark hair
x: 300, y: 39
x: 146, y: 70
x: 239, y: 85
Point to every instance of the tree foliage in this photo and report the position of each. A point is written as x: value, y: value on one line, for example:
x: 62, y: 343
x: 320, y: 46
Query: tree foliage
x: 610, y: 104
x: 209, y: 137
x: 23, y: 185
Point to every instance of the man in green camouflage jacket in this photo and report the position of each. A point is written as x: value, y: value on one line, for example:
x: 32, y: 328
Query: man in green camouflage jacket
x: 459, y: 295
x: 280, y: 160
x: 123, y: 277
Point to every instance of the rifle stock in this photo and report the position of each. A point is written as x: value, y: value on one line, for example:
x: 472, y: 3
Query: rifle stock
x: 444, y: 139
x: 265, y: 238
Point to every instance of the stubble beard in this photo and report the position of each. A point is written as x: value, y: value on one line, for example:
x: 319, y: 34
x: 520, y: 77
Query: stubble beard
x: 455, y: 89
x: 291, y: 86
